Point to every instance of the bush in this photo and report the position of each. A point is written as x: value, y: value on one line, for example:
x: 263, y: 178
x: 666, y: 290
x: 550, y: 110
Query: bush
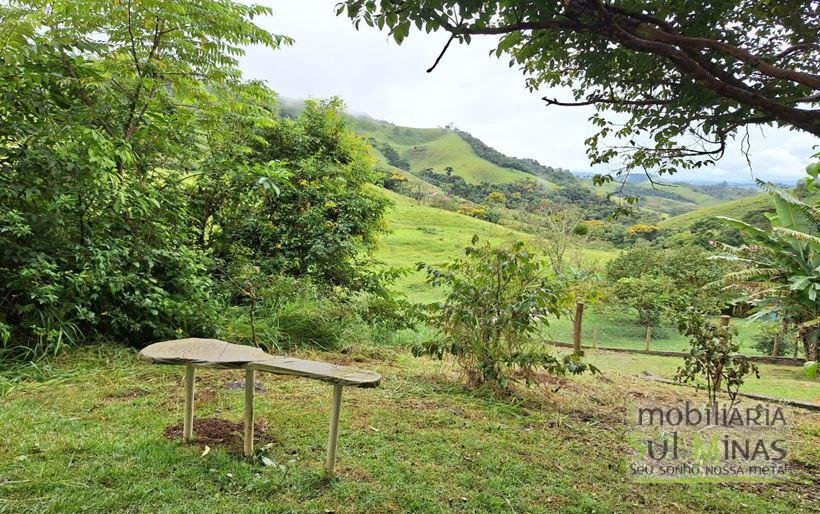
x: 713, y: 356
x: 769, y: 331
x: 497, y: 299
x: 280, y: 313
x: 289, y: 313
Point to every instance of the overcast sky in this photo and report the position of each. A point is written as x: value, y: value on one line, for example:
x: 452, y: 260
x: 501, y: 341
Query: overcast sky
x: 477, y: 92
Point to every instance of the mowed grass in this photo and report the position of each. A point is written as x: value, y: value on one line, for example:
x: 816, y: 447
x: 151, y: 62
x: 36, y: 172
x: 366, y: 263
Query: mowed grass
x: 419, y: 233
x: 87, y: 434
x: 602, y: 329
x: 776, y: 381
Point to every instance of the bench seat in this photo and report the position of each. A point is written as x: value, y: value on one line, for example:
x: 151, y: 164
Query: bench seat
x: 202, y: 353
x: 212, y: 353
x: 323, y: 371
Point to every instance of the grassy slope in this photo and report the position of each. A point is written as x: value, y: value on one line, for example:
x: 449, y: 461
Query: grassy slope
x: 91, y: 438
x: 683, y: 190
x: 425, y: 234
x: 434, y: 236
x: 438, y: 148
x: 662, y: 205
x: 451, y: 150
x: 736, y: 209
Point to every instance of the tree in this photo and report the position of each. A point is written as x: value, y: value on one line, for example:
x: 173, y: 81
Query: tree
x: 558, y: 234
x: 323, y: 219
x: 497, y: 298
x: 109, y: 109
x: 713, y: 356
x: 781, y: 267
x: 686, y: 78
x: 653, y: 280
x: 650, y: 295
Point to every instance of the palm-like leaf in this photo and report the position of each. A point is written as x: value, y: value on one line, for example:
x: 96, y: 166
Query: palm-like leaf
x: 781, y: 267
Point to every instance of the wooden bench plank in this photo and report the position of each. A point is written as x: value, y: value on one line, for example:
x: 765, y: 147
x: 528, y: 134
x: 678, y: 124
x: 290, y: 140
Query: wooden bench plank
x: 324, y: 371
x: 211, y: 353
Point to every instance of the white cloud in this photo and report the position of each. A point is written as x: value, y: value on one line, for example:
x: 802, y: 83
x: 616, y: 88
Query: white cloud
x: 477, y: 92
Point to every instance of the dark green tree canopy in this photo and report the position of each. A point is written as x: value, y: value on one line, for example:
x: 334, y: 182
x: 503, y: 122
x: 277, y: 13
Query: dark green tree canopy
x: 682, y: 78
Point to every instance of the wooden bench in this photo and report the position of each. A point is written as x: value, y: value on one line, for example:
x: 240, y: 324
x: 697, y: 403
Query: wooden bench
x: 213, y: 353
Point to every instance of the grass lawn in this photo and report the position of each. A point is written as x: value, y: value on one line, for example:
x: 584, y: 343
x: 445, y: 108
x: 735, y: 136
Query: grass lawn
x: 419, y: 233
x: 777, y: 381
x: 87, y: 432
x: 600, y: 329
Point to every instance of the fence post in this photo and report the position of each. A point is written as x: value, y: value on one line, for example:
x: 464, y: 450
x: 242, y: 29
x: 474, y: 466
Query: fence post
x: 595, y: 336
x: 648, y: 336
x: 776, y: 344
x: 724, y: 322
x: 576, y: 327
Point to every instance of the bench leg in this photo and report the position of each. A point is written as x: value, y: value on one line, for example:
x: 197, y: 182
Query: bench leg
x: 250, y: 384
x: 188, y: 420
x: 333, y: 437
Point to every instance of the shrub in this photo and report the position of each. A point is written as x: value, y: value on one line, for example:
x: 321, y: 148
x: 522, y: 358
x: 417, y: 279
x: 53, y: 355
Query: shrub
x: 642, y: 230
x: 713, y: 356
x: 497, y: 298
x: 769, y: 332
x: 288, y: 313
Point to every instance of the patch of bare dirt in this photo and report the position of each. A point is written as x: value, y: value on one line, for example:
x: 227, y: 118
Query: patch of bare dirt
x: 221, y: 432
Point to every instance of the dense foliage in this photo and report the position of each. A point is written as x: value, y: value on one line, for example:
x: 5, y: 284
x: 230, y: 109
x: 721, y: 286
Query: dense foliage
x: 140, y: 176
x: 652, y: 280
x: 497, y: 298
x: 393, y: 157
x: 524, y: 195
x: 781, y: 267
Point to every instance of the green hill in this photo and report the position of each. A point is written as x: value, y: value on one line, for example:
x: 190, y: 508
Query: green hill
x: 417, y: 149
x: 436, y: 148
x: 744, y: 208
x: 673, y: 199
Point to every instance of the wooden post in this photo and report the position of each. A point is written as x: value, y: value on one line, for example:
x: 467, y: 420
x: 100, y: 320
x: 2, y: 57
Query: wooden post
x: 333, y: 436
x: 776, y: 344
x: 188, y: 420
x: 595, y: 337
x: 724, y: 322
x: 648, y: 336
x: 576, y: 327
x: 250, y: 384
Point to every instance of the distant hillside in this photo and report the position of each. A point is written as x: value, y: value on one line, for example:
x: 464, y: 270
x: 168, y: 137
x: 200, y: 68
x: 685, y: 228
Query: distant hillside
x: 748, y: 209
x: 451, y: 153
x: 676, y: 198
x: 531, y: 166
x: 416, y: 149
